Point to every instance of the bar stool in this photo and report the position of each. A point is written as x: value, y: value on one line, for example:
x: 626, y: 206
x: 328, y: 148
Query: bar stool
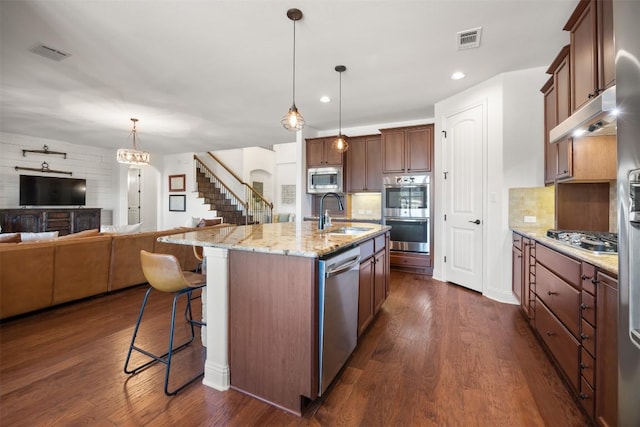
x: 164, y: 274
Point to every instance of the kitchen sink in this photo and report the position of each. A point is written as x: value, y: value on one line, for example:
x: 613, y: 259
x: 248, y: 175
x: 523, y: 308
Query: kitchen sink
x: 350, y: 230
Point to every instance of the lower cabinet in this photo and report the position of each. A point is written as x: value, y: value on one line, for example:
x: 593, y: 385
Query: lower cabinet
x: 574, y: 311
x: 64, y: 221
x: 374, y: 274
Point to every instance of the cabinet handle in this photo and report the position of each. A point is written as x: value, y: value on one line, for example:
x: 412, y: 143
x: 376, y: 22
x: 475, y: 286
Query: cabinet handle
x: 583, y: 366
x: 595, y: 281
x: 585, y: 277
x: 550, y: 334
x: 551, y: 293
x: 519, y: 256
x: 584, y: 306
x: 584, y: 337
x: 584, y: 396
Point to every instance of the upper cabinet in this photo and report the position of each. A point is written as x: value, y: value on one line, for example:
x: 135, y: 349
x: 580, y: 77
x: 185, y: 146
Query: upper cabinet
x: 407, y: 149
x: 557, y: 104
x: 320, y: 152
x: 592, y: 50
x: 364, y: 164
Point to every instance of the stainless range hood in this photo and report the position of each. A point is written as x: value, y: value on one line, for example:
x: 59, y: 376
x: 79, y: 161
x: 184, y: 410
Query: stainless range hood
x: 599, y: 115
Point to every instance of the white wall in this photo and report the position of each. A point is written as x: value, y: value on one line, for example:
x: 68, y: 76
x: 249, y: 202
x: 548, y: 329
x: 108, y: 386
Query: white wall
x: 514, y: 127
x: 96, y: 165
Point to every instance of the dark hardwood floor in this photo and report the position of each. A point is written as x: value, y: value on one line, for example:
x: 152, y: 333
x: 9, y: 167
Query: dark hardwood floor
x: 436, y: 355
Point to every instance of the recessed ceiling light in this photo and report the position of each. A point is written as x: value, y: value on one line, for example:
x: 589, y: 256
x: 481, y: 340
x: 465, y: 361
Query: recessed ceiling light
x: 325, y: 99
x: 457, y: 75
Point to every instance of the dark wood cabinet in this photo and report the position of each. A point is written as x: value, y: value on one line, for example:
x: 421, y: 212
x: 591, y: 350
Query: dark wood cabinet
x: 374, y: 276
x: 606, y: 408
x: 575, y: 314
x: 407, y: 150
x: 64, y: 221
x: 364, y: 164
x: 592, y: 50
x: 523, y: 272
x: 550, y: 121
x: 320, y: 153
x: 516, y: 267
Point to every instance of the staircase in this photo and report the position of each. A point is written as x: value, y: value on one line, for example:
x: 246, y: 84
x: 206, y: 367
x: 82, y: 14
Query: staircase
x: 220, y: 202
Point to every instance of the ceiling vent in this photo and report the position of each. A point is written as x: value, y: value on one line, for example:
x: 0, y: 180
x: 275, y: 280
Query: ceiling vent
x: 469, y: 39
x: 49, y: 52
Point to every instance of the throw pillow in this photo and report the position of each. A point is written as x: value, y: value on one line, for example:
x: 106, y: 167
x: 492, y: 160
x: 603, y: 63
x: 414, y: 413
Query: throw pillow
x: 32, y: 237
x: 121, y: 229
x: 10, y: 238
x: 85, y: 233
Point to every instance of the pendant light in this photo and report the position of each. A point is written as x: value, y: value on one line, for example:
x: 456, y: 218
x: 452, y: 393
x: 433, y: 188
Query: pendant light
x: 135, y: 156
x: 340, y: 143
x: 293, y: 120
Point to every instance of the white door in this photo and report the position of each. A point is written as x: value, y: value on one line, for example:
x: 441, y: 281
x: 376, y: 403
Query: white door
x: 463, y: 151
x: 133, y: 197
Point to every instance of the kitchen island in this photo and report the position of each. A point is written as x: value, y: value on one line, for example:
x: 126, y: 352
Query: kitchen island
x: 262, y: 304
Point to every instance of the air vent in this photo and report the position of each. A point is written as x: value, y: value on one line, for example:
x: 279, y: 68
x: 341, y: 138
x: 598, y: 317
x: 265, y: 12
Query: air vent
x: 49, y: 52
x: 469, y: 39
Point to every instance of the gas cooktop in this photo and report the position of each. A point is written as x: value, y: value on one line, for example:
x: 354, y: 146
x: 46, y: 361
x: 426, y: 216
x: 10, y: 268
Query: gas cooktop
x: 592, y: 241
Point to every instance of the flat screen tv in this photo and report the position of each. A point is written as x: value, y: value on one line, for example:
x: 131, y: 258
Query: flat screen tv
x: 52, y: 191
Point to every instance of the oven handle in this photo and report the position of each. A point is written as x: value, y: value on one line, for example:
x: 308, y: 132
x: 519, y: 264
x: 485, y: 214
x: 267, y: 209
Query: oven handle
x: 407, y: 219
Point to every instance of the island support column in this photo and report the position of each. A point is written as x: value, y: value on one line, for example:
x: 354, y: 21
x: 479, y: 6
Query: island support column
x: 216, y: 367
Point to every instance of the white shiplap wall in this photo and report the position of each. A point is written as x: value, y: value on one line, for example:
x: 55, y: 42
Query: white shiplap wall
x: 96, y: 165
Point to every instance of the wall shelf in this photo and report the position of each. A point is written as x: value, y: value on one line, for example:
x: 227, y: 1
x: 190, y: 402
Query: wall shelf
x: 44, y: 168
x: 45, y: 150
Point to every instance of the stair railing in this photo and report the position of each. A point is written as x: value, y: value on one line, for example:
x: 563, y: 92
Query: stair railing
x: 256, y: 209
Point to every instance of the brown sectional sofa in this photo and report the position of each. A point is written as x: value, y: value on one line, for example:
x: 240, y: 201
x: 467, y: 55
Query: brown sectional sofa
x: 36, y: 275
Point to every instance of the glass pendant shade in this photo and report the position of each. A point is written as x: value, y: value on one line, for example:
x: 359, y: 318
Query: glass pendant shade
x: 133, y: 156
x: 340, y: 143
x: 293, y: 120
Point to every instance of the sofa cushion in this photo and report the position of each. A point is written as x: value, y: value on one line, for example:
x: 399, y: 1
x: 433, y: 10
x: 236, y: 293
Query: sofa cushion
x: 81, y: 234
x: 10, y: 238
x: 45, y: 235
x: 121, y: 229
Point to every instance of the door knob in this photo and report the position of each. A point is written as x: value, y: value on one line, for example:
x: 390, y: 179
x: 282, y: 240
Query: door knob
x: 477, y: 222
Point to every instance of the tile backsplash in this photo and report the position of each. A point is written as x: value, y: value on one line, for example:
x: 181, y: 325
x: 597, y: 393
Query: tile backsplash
x: 535, y: 203
x: 366, y: 205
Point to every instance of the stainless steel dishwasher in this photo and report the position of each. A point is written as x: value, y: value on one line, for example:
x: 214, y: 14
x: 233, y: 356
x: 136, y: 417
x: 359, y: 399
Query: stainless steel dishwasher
x: 338, y: 333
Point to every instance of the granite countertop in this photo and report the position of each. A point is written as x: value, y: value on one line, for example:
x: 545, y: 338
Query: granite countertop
x: 608, y: 262
x: 286, y: 238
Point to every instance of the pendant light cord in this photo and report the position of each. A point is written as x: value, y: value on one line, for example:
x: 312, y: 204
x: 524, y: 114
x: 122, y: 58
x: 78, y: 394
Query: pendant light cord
x: 294, y: 62
x: 340, y: 107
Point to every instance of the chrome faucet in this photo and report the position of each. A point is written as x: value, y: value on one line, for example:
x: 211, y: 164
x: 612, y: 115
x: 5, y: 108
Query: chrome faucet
x: 321, y: 219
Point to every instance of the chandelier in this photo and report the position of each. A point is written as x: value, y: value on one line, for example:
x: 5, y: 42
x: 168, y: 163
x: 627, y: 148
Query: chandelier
x: 293, y: 120
x: 135, y: 156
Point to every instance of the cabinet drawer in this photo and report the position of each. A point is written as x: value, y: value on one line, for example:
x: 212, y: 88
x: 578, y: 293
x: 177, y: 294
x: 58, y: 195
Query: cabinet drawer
x: 379, y: 243
x: 58, y: 215
x: 366, y: 249
x: 563, y: 266
x: 588, y: 337
x: 562, y: 298
x: 587, y: 367
x: 588, y: 308
x: 588, y: 274
x: 409, y: 260
x: 587, y: 397
x: 563, y: 346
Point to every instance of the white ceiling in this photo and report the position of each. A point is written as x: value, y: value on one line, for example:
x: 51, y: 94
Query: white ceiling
x: 209, y: 75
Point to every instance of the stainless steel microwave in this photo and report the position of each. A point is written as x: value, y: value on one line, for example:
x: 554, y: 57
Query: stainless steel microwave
x: 323, y: 180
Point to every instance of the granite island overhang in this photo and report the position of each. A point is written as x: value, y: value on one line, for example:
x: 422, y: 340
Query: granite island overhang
x: 270, y: 272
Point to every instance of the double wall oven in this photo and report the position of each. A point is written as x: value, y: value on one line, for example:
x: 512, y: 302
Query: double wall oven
x: 405, y: 205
